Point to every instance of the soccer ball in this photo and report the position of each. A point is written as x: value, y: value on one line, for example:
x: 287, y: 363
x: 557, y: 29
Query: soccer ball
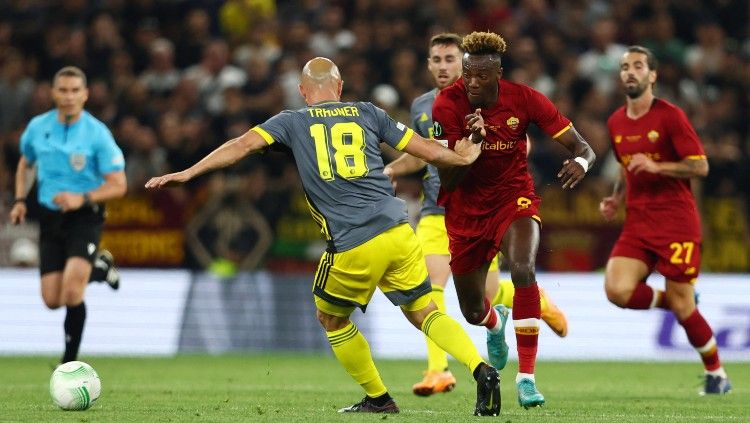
x: 74, y: 386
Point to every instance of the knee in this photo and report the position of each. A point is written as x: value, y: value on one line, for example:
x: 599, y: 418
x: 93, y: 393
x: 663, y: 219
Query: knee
x: 72, y: 296
x: 474, y: 316
x: 330, y: 322
x: 523, y: 273
x: 617, y: 294
x: 51, y: 303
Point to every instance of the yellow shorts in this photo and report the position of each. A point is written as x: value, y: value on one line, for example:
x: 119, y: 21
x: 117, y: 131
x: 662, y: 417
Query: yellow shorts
x: 434, y: 239
x: 432, y: 235
x: 392, y: 261
x: 494, y: 264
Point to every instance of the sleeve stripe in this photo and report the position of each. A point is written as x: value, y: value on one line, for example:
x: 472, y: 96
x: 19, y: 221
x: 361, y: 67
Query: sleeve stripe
x: 405, y: 139
x: 262, y: 132
x: 696, y: 157
x: 562, y: 131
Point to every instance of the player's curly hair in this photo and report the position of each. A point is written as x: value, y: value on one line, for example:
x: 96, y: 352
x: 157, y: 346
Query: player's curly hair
x: 484, y: 43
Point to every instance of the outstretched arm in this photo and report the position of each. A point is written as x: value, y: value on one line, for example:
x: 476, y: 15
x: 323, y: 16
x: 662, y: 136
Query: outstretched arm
x: 437, y: 155
x: 403, y: 165
x: 225, y: 155
x: 573, y: 170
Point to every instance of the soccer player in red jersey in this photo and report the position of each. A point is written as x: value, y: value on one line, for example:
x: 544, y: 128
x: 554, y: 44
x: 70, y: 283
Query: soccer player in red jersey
x: 491, y: 206
x: 659, y: 152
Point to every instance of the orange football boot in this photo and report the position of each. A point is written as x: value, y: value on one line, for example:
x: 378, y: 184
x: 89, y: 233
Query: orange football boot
x: 434, y: 382
x: 553, y: 316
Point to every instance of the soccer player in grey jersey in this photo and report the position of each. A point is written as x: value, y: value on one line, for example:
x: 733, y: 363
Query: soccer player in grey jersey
x: 337, y: 149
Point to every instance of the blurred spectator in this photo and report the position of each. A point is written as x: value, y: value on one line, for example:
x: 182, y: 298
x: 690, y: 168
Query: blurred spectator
x: 601, y: 62
x: 16, y: 89
x: 105, y: 39
x: 289, y: 79
x: 331, y: 37
x: 264, y: 96
x: 261, y: 43
x: 160, y: 76
x: 662, y: 41
x: 707, y: 56
x: 145, y: 158
x: 195, y: 36
x: 239, y: 18
x: 146, y: 33
x: 214, y: 74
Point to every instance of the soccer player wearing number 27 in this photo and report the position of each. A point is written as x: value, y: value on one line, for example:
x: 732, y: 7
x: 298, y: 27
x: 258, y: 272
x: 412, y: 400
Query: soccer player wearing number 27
x: 659, y: 152
x: 337, y: 149
x: 491, y: 205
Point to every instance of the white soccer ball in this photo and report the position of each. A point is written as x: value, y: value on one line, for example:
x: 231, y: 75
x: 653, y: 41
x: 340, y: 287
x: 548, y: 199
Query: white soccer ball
x: 74, y: 386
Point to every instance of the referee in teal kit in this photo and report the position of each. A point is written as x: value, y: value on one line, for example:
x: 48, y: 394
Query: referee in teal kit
x: 79, y: 166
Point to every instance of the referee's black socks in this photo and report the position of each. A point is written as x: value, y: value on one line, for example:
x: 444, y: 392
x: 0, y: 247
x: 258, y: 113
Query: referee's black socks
x: 74, y: 320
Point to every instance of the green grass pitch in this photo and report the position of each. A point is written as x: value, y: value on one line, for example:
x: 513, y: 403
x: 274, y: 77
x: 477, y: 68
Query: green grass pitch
x: 310, y: 388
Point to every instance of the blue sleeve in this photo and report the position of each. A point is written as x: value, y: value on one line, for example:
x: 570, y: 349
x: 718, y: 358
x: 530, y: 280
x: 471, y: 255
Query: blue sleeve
x: 108, y: 155
x: 27, y: 150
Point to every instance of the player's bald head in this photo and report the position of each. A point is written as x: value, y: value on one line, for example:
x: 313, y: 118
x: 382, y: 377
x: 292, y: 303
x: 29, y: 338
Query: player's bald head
x: 320, y: 71
x: 321, y: 81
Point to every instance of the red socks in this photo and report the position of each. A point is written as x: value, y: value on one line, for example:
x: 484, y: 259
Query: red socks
x: 701, y: 337
x: 526, y: 318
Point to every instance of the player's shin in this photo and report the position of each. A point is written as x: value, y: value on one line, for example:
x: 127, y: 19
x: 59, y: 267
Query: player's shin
x: 437, y: 361
x: 526, y: 321
x: 701, y: 337
x: 353, y: 352
x: 448, y: 334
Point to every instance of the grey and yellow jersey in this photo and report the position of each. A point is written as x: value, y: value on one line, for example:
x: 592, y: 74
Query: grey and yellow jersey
x: 337, y: 149
x: 421, y: 119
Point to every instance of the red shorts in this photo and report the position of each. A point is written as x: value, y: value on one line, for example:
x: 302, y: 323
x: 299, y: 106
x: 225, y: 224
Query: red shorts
x: 677, y: 260
x: 470, y: 249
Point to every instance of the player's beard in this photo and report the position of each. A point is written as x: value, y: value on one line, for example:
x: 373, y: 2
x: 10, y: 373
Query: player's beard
x: 635, y: 91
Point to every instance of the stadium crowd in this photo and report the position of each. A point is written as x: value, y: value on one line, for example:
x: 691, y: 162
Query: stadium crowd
x: 173, y: 78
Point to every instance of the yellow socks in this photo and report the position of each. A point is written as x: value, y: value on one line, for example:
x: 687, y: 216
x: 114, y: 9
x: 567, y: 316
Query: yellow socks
x: 504, y: 294
x: 352, y: 350
x: 437, y: 359
x: 448, y: 334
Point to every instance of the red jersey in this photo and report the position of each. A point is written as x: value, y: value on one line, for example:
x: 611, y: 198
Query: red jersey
x: 500, y: 175
x: 657, y: 204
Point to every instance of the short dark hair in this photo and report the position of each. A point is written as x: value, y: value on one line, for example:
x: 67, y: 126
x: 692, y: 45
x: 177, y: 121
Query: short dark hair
x: 71, y: 71
x: 650, y: 58
x: 447, y: 38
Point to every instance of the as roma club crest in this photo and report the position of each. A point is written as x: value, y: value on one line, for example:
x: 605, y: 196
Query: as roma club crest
x: 77, y: 161
x: 512, y: 122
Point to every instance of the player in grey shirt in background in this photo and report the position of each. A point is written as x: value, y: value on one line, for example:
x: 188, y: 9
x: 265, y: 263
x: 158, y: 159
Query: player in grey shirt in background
x: 336, y: 147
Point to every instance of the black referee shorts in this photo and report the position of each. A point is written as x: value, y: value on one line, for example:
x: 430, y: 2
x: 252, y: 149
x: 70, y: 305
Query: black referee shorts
x: 64, y: 235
